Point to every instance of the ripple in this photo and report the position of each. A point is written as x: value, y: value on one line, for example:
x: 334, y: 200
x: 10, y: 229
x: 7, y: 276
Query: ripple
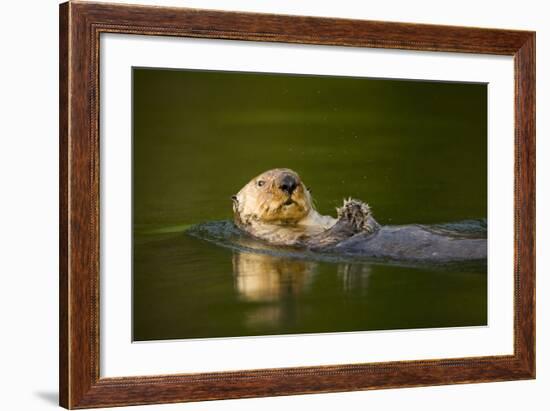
x: 225, y: 233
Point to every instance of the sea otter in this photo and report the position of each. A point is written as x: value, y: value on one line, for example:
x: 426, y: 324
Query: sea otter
x: 277, y: 207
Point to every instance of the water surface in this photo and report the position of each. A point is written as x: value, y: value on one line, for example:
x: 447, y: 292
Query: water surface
x: 415, y: 151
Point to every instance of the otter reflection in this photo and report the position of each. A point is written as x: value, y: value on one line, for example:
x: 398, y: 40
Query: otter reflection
x: 277, y: 282
x: 354, y: 277
x: 273, y: 281
x: 261, y: 277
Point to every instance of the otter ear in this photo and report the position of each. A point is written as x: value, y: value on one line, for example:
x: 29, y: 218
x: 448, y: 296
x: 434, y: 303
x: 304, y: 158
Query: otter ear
x: 234, y: 198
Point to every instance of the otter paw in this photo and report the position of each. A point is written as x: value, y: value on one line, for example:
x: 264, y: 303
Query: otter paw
x: 356, y: 213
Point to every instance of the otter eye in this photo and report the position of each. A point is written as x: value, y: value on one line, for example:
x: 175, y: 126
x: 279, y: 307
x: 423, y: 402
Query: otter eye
x: 261, y: 183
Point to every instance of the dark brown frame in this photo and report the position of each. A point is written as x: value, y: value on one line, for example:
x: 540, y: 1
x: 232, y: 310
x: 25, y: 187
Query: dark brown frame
x: 80, y: 27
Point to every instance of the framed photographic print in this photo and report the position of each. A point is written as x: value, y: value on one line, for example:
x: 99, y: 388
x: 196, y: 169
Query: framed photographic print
x: 257, y: 205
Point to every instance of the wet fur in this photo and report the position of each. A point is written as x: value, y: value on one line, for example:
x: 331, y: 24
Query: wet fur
x: 262, y: 209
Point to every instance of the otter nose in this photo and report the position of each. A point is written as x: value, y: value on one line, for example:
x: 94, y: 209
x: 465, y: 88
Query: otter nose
x: 288, y: 183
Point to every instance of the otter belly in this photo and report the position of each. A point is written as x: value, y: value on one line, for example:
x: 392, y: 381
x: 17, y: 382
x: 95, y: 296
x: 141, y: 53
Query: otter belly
x: 412, y: 242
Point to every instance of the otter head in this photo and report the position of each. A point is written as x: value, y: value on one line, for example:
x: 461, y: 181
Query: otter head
x: 277, y: 196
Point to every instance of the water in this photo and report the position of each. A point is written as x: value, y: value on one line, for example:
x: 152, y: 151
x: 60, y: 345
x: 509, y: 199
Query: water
x: 415, y: 151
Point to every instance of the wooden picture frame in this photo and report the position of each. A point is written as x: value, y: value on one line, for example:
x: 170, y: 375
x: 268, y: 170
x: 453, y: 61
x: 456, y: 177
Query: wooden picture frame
x: 80, y: 27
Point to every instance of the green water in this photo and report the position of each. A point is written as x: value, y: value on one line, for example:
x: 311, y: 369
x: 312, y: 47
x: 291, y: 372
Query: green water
x: 415, y: 151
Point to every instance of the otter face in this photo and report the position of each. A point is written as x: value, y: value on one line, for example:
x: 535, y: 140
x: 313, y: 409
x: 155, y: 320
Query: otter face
x: 277, y: 196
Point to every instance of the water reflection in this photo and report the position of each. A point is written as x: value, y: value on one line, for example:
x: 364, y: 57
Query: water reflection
x: 262, y: 277
x: 277, y: 284
x: 354, y: 277
x: 260, y: 291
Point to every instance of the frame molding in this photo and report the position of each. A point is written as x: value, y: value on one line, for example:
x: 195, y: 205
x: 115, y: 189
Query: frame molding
x: 80, y: 25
